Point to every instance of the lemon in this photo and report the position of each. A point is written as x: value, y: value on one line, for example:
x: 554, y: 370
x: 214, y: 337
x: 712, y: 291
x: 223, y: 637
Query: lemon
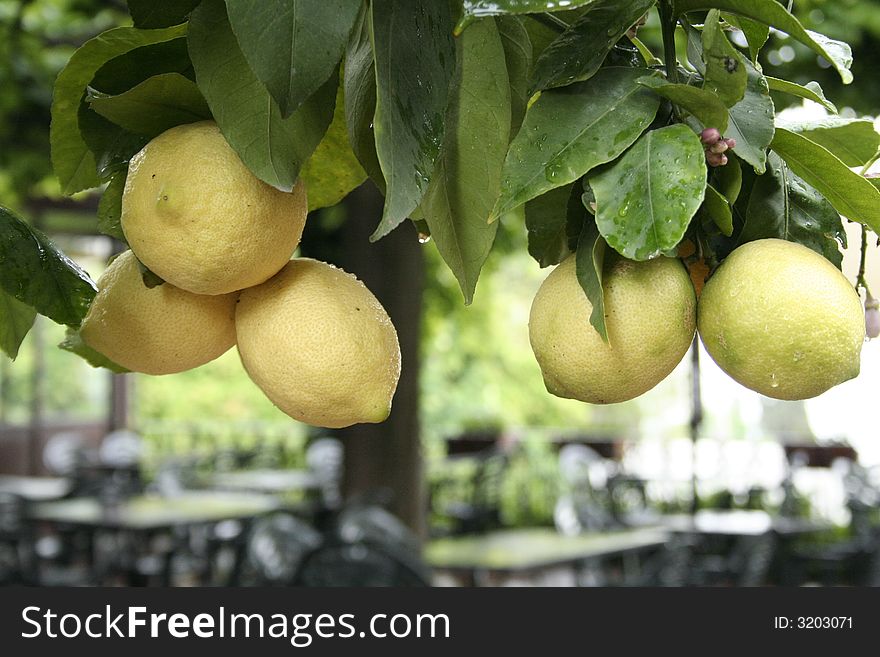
x: 197, y: 217
x: 158, y: 330
x: 319, y: 345
x: 650, y: 312
x: 782, y: 320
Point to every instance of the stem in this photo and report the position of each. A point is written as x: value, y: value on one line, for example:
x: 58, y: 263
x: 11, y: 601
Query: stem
x: 667, y: 23
x: 553, y: 22
x: 860, y: 279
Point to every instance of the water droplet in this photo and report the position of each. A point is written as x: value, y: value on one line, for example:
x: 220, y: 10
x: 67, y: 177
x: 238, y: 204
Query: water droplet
x: 424, y: 238
x: 773, y: 382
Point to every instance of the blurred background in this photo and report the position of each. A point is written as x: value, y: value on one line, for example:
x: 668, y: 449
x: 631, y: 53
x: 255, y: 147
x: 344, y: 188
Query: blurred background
x: 480, y: 477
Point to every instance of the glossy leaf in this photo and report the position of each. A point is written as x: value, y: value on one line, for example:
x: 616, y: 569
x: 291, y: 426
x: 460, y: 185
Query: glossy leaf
x: 726, y: 73
x: 751, y: 121
x: 333, y: 170
x: 729, y: 179
x: 155, y: 105
x: 36, y: 273
x: 474, y: 9
x: 149, y: 14
x: 547, y: 225
x: 718, y: 210
x: 16, y: 319
x: 703, y: 104
x: 810, y: 91
x: 774, y: 14
x: 465, y: 184
x: 293, y: 46
x: 73, y: 343
x: 579, y: 51
x: 647, y: 198
x: 110, y: 207
x: 72, y: 160
x: 272, y: 147
x: 415, y: 59
x: 518, y: 55
x: 569, y: 131
x: 359, y: 89
x: 853, y: 141
x: 589, y: 263
x: 756, y: 33
x: 785, y: 207
x: 850, y: 194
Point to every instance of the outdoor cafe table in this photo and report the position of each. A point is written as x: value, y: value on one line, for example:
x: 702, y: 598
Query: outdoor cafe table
x: 153, y: 514
x: 508, y: 551
x: 36, y: 489
x: 271, y: 482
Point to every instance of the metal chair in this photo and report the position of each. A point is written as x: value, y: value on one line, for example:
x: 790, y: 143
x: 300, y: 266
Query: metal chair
x: 16, y: 548
x: 277, y: 547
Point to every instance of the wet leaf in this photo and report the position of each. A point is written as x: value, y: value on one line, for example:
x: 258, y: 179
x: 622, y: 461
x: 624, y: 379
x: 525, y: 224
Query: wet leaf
x: 717, y: 208
x: 810, y: 91
x: 647, y: 198
x: 474, y: 9
x: 703, y: 104
x: 751, y: 121
x: 547, y: 225
x: 726, y: 73
x: 110, y: 207
x: 756, y: 33
x: 16, y: 319
x: 589, y: 263
x: 518, y: 55
x: 853, y: 141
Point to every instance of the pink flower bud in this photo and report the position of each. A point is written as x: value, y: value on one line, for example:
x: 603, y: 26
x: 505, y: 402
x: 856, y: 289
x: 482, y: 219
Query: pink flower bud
x: 872, y: 317
x: 710, y: 136
x: 719, y: 148
x: 716, y: 159
x: 731, y: 142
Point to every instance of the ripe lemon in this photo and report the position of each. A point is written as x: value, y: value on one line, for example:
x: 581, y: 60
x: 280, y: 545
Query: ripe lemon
x: 319, y: 345
x: 197, y: 217
x: 650, y: 312
x: 782, y: 320
x: 158, y: 330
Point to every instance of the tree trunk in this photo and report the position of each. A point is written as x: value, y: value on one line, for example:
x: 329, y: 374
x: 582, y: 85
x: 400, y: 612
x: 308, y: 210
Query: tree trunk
x: 386, y: 457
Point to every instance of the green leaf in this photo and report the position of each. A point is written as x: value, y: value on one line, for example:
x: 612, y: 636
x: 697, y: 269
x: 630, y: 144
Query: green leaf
x: 159, y: 13
x: 579, y: 51
x: 784, y: 206
x: 465, y: 184
x: 155, y: 105
x: 647, y: 198
x: 415, y: 59
x: 751, y: 121
x: 73, y: 343
x: 292, y: 46
x: 359, y: 85
x: 811, y: 91
x: 774, y: 14
x: 110, y: 208
x: 272, y: 147
x: 518, y: 55
x: 853, y: 141
x: 74, y: 164
x: 756, y: 33
x: 547, y: 225
x: 718, y: 210
x: 703, y: 104
x: 129, y: 69
x: 726, y: 73
x: 16, y: 319
x: 111, y: 146
x: 571, y: 130
x: 36, y: 273
x: 589, y: 262
x: 474, y: 9
x: 729, y: 179
x: 850, y: 194
x: 333, y: 170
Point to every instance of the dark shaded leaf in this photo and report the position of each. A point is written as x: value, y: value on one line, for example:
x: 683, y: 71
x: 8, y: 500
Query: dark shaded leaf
x: 415, y: 59
x: 272, y: 147
x: 72, y: 160
x: 465, y: 184
x: 850, y: 194
x: 474, y: 9
x: 518, y: 54
x: 589, y: 263
x: 646, y: 199
x: 784, y: 206
x: 569, y: 131
x: 129, y: 69
x: 110, y: 208
x: 729, y: 178
x: 774, y: 14
x: 579, y: 51
x: 751, y: 121
x: 292, y: 46
x: 16, y: 319
x: 717, y: 208
x: 547, y: 222
x: 36, y: 273
x: 159, y: 13
x: 155, y: 105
